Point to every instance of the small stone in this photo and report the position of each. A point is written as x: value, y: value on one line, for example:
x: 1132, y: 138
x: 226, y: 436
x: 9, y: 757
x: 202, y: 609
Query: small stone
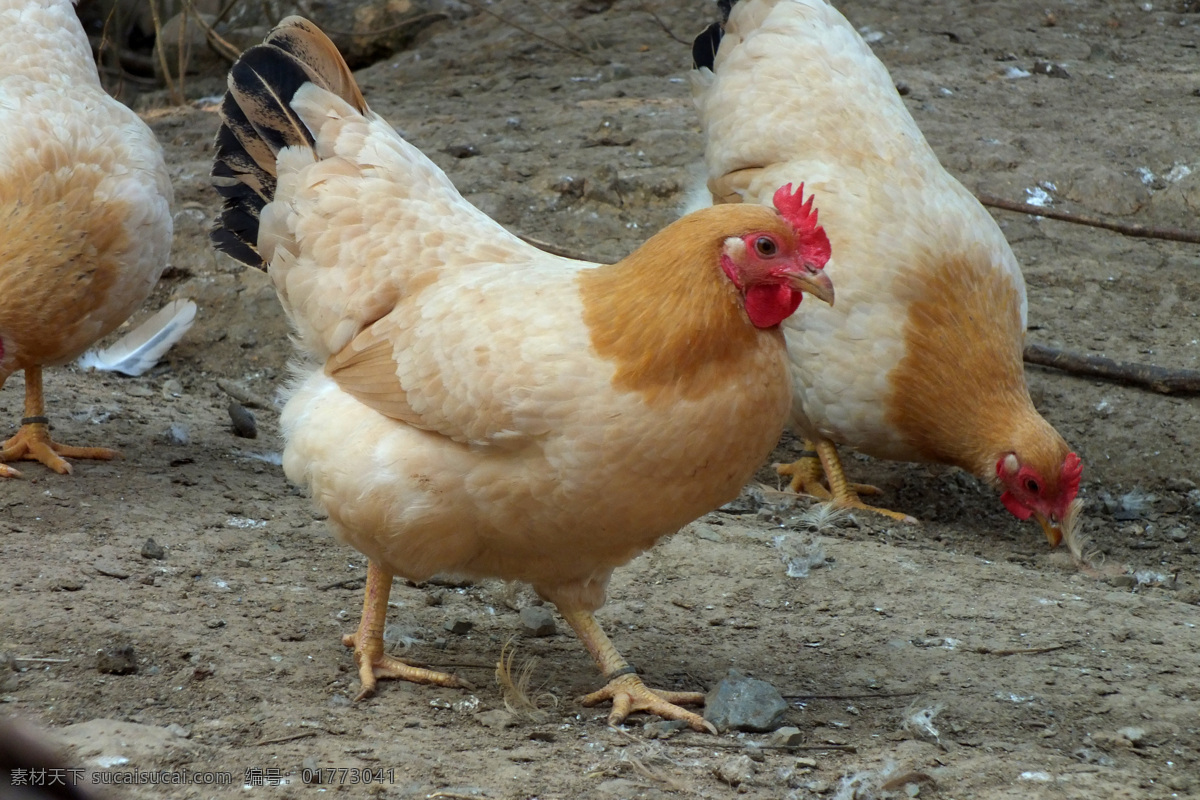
x: 111, y: 570
x: 663, y: 729
x: 1050, y: 69
x: 172, y: 389
x: 462, y: 150
x: 1123, y: 581
x: 154, y: 550
x: 118, y: 660
x: 177, y: 435
x: 459, y: 627
x: 543, y: 736
x: 1177, y: 534
x: 745, y: 704
x: 786, y: 737
x: 736, y: 770
x: 435, y: 598
x: 215, y: 623
x: 538, y: 621
x: 179, y: 730
x: 243, y: 421
x: 497, y: 718
x: 1133, y: 735
x: 70, y: 584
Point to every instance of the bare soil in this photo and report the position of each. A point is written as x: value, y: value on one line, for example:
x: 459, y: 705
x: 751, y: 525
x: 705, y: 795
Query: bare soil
x: 959, y: 658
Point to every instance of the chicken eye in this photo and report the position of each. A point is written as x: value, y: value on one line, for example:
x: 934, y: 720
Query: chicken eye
x: 1032, y: 486
x: 766, y: 246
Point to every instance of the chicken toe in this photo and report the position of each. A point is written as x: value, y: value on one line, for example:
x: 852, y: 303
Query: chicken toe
x: 625, y: 689
x: 367, y: 642
x: 842, y: 493
x: 33, y: 443
x: 628, y: 694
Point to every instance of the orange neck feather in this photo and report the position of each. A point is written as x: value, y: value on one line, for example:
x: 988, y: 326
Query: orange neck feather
x: 959, y: 394
x: 667, y: 316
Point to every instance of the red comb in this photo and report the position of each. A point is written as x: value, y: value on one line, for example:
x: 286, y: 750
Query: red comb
x: 800, y: 213
x: 1072, y: 471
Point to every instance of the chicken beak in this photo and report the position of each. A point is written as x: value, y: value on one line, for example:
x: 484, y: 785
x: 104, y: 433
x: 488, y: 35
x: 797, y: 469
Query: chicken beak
x: 814, y: 282
x: 1052, y: 527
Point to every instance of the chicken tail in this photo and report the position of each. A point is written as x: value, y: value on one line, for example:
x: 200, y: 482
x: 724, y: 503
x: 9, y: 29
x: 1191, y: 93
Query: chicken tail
x: 704, y: 46
x: 257, y: 121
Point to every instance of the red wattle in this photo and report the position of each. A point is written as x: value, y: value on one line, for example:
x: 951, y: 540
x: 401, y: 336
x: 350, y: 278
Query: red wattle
x: 1014, y: 505
x: 770, y: 305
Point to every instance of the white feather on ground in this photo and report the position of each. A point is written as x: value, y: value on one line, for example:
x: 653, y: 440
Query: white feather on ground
x: 140, y: 349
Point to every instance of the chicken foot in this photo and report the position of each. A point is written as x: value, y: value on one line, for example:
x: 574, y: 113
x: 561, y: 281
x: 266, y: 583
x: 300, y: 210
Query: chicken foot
x: 625, y: 689
x: 33, y: 443
x: 367, y: 642
x: 806, y: 479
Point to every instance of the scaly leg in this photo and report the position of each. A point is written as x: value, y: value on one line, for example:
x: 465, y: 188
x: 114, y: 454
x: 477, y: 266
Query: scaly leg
x: 806, y: 474
x: 367, y: 642
x: 33, y: 443
x: 625, y: 689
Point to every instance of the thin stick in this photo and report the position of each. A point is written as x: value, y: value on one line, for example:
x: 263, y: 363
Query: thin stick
x: 344, y: 584
x: 848, y: 696
x: 849, y: 748
x: 292, y: 738
x: 1028, y: 651
x: 224, y: 49
x: 245, y: 396
x: 176, y: 97
x: 479, y: 7
x: 1126, y: 228
x: 663, y: 25
x: 37, y: 660
x: 1147, y: 376
x: 431, y: 16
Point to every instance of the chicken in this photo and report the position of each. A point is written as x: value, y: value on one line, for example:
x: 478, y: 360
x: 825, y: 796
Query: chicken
x: 475, y: 406
x: 921, y: 358
x: 85, y: 222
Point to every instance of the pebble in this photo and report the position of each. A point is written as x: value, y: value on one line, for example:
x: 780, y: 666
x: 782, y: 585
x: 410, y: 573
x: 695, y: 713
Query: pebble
x: 1178, y: 534
x: 179, y: 730
x: 154, y: 550
x: 117, y: 660
x: 663, y: 729
x: 111, y: 570
x: 538, y: 621
x: 786, y: 737
x: 459, y: 627
x: 172, y: 388
x: 177, y: 435
x: 498, y: 718
x: 742, y: 703
x: 243, y: 421
x: 735, y: 770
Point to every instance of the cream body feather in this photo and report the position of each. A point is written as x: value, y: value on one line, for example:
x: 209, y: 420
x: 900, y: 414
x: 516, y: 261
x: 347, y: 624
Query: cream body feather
x: 85, y: 224
x: 795, y: 94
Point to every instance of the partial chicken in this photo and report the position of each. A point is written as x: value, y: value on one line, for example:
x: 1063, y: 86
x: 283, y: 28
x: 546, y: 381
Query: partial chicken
x: 921, y: 358
x: 85, y: 222
x: 475, y: 406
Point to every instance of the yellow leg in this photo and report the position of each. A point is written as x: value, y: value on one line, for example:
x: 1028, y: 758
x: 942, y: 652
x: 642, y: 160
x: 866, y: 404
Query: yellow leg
x: 367, y: 642
x: 806, y: 475
x: 625, y: 689
x: 33, y: 443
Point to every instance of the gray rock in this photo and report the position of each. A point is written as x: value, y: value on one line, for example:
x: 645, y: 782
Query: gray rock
x: 154, y: 550
x: 736, y: 770
x: 498, y: 718
x: 538, y: 621
x: 459, y: 627
x: 117, y: 660
x: 243, y: 421
x: 177, y: 435
x: 786, y: 737
x: 663, y: 729
x: 742, y: 703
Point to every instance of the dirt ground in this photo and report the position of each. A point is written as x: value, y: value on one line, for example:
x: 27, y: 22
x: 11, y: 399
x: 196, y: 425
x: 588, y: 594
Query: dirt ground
x: 956, y: 659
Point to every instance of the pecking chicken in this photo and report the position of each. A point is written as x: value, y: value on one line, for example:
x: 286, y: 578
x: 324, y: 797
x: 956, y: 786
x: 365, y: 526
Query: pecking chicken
x: 85, y: 222
x: 921, y: 358
x: 475, y: 406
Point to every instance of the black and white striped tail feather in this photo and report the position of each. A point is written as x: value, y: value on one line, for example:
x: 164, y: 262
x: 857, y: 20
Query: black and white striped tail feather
x: 258, y: 121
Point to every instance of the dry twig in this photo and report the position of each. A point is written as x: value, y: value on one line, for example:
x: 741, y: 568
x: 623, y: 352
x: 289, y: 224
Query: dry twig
x: 663, y: 25
x: 292, y: 738
x: 1025, y: 651
x: 1125, y: 228
x: 1147, y: 376
x: 480, y: 7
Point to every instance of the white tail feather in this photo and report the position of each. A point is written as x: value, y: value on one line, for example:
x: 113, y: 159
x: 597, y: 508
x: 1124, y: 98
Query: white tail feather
x: 140, y: 349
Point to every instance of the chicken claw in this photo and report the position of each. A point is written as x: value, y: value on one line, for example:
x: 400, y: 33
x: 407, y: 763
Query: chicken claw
x: 806, y: 479
x: 33, y: 443
x: 367, y: 642
x: 628, y: 694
